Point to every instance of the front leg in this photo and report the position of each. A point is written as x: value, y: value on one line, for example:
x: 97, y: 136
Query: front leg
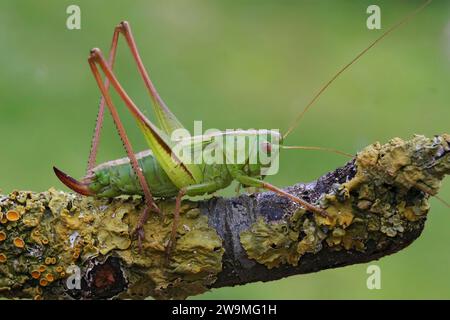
x: 254, y: 182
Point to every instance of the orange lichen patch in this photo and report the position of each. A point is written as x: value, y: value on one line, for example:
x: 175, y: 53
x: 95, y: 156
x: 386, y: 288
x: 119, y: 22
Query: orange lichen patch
x: 49, y: 277
x: 35, y: 274
x: 12, y: 215
x: 2, y: 236
x: 3, y: 258
x: 59, y: 269
x: 37, y: 297
x: 43, y: 282
x: 42, y: 268
x: 19, y: 243
x: 53, y: 260
x: 44, y: 240
x: 62, y: 274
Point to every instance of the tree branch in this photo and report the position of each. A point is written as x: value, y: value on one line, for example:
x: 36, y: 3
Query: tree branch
x: 60, y: 245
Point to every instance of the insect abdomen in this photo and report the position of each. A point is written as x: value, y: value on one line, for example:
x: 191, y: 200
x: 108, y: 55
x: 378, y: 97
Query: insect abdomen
x: 117, y: 178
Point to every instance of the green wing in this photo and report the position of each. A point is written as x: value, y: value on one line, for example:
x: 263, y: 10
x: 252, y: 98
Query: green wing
x: 166, y: 119
x: 181, y: 174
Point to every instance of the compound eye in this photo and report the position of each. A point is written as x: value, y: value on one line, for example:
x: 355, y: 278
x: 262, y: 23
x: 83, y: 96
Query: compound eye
x: 266, y: 147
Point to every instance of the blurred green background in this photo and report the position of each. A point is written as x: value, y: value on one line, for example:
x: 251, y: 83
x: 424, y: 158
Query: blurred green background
x: 237, y: 64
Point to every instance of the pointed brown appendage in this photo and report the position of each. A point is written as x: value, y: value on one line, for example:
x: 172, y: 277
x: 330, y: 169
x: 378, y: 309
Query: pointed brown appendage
x: 77, y: 186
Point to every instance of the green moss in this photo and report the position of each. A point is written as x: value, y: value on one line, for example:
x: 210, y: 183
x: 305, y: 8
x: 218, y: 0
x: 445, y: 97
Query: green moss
x: 388, y: 195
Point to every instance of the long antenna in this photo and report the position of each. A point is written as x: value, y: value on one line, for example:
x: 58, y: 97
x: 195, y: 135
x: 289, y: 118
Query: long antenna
x: 445, y: 203
x: 324, y: 87
x: 342, y: 153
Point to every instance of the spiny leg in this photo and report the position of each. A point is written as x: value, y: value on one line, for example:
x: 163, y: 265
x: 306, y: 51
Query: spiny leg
x: 94, y: 58
x: 254, y: 182
x: 162, y: 111
x: 301, y: 202
x: 101, y: 107
x: 176, y: 221
x: 139, y: 229
x: 179, y: 172
x: 167, y: 120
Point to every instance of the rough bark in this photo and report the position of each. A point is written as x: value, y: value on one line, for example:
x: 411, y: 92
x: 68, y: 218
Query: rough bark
x: 377, y: 204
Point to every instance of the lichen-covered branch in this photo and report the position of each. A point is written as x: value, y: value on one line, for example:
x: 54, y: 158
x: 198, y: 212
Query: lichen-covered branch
x: 60, y: 245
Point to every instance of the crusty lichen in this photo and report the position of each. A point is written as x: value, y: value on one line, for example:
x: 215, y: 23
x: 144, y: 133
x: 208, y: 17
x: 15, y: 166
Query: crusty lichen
x: 43, y: 234
x: 387, y: 196
x: 193, y: 265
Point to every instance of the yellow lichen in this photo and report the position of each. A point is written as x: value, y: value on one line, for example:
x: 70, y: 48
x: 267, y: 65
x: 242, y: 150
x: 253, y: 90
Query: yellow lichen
x: 271, y: 243
x: 76, y: 254
x: 3, y: 258
x: 2, y: 236
x: 194, y: 262
x: 30, y: 221
x: 312, y: 241
x: 340, y: 214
